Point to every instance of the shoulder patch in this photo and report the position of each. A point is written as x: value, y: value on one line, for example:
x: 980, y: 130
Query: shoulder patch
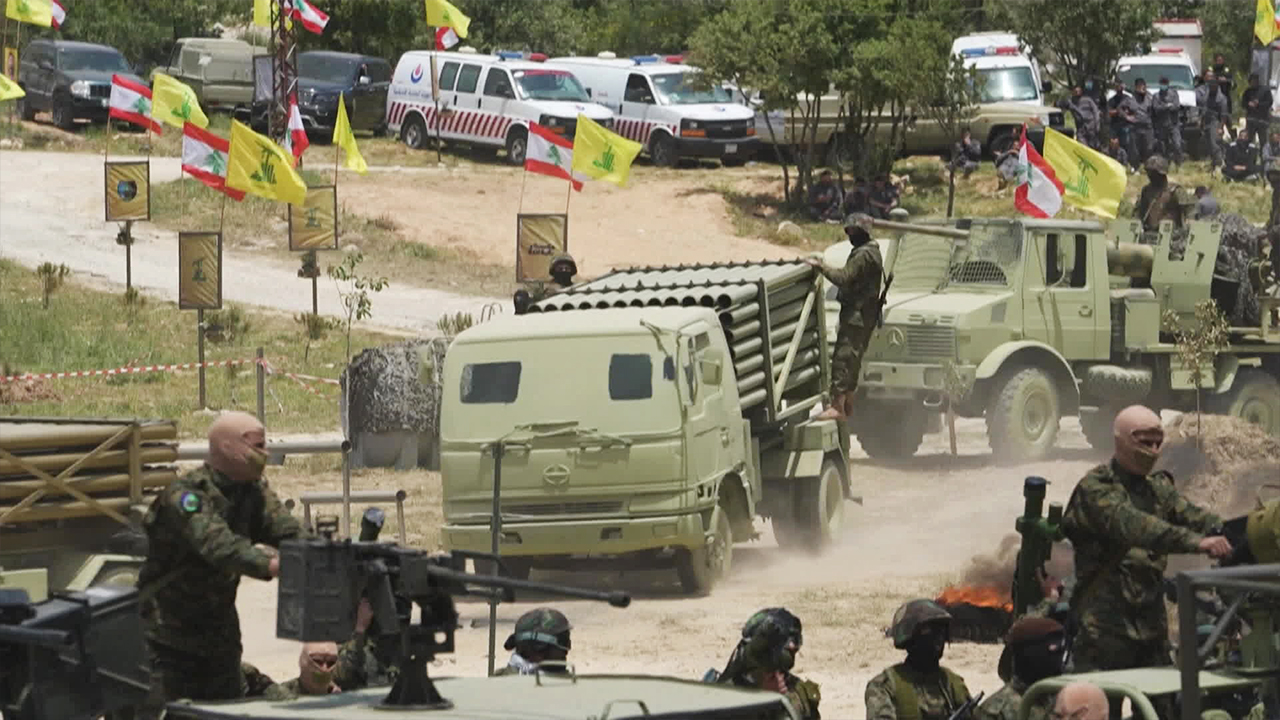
x: 189, y: 502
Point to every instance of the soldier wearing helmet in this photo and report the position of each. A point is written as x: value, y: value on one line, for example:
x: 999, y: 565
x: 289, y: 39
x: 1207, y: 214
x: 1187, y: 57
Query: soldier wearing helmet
x: 562, y: 270
x: 541, y: 635
x: 1034, y: 649
x: 1123, y: 520
x: 1161, y: 199
x: 920, y: 687
x: 763, y: 659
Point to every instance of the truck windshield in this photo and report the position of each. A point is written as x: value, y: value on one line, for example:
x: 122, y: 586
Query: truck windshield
x: 617, y: 385
x: 99, y: 60
x: 921, y: 262
x: 676, y: 89
x: 327, y: 68
x: 550, y: 85
x: 1008, y: 84
x: 989, y: 257
x: 1180, y: 77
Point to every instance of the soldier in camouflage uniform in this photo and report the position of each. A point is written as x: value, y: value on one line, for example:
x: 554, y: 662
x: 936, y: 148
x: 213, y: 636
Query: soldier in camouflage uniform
x: 563, y: 268
x: 763, y: 659
x: 541, y: 635
x: 1035, y: 649
x: 919, y: 688
x: 202, y: 532
x: 1122, y: 521
x: 858, y: 283
x: 1161, y: 199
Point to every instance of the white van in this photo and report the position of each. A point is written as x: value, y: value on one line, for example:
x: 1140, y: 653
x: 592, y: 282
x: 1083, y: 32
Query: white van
x: 485, y: 100
x: 658, y: 107
x: 1010, y: 75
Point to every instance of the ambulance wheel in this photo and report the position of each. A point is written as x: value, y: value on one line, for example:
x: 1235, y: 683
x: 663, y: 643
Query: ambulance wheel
x: 414, y: 132
x: 663, y: 150
x: 517, y: 145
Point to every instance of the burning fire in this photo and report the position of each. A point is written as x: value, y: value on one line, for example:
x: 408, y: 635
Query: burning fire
x: 991, y: 597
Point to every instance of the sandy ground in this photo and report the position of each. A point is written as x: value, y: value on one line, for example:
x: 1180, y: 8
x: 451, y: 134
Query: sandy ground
x: 921, y: 523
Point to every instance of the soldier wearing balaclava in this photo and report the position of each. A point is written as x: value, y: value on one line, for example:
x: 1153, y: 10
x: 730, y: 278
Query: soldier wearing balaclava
x: 202, y: 531
x: 1123, y: 520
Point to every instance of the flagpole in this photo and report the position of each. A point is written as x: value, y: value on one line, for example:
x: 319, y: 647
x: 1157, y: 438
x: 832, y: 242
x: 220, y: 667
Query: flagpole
x: 524, y: 179
x: 568, y: 194
x: 223, y: 215
x: 17, y: 47
x: 336, y: 149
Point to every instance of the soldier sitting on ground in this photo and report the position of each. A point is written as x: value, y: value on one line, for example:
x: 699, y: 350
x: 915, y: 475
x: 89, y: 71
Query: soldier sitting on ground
x: 1035, y: 649
x: 763, y: 659
x: 563, y: 268
x: 541, y: 635
x: 919, y: 687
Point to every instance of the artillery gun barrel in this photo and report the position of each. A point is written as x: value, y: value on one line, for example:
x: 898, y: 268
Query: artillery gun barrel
x: 939, y: 231
x: 1131, y: 260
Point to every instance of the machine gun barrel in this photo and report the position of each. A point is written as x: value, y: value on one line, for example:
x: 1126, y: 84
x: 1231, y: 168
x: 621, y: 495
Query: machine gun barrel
x: 939, y: 231
x: 616, y: 598
x: 48, y: 639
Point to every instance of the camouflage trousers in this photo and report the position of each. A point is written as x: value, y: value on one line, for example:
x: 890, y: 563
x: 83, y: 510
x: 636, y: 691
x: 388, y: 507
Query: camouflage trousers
x: 178, y: 675
x: 1169, y: 139
x: 846, y: 358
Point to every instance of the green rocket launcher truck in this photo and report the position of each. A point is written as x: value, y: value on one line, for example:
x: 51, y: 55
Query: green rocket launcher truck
x: 643, y: 419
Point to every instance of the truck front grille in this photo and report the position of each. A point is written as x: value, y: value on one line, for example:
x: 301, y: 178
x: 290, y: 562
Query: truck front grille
x: 931, y: 342
x: 565, y: 508
x: 100, y: 90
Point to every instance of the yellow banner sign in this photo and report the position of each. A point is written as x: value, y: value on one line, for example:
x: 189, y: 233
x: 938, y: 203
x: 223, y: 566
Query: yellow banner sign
x: 199, y: 270
x: 539, y: 238
x: 128, y: 190
x: 314, y: 224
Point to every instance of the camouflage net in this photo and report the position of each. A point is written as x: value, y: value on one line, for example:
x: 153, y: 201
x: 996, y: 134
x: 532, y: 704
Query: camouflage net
x: 1241, y: 244
x: 391, y: 388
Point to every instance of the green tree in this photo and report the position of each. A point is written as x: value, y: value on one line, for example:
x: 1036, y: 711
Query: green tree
x: 144, y: 30
x: 1228, y: 29
x: 355, y: 295
x: 1081, y: 39
x: 1199, y: 342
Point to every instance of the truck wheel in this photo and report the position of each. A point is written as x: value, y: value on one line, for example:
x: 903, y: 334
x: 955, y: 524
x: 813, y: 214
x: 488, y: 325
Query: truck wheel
x: 816, y: 516
x: 414, y: 132
x: 62, y: 117
x: 1255, y: 396
x: 701, y: 568
x: 1118, y: 385
x: 662, y: 149
x: 1097, y: 428
x: 517, y: 145
x: 1022, y: 419
x: 26, y: 110
x: 894, y: 440
x: 1001, y: 141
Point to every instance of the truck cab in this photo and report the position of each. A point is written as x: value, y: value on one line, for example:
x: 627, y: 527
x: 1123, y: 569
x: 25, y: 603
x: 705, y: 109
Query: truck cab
x: 1008, y: 74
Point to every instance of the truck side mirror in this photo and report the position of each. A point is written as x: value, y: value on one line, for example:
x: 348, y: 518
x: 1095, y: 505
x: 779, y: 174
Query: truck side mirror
x: 364, y: 80
x: 711, y: 370
x: 1046, y: 86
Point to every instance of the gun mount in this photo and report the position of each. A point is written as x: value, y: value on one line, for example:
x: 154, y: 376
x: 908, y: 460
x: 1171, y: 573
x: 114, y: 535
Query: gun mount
x: 1039, y: 533
x: 322, y: 582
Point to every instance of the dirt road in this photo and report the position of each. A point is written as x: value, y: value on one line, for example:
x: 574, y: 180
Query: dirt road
x: 921, y: 523
x: 51, y: 209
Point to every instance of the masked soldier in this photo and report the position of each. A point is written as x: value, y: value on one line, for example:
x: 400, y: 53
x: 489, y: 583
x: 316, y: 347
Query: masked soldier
x: 1123, y: 520
x: 858, y: 283
x: 541, y: 635
x: 1035, y: 649
x: 1214, y: 111
x: 202, y: 531
x: 563, y: 268
x: 763, y: 659
x: 1085, y: 112
x: 1142, y: 132
x: 1166, y: 110
x: 1161, y: 199
x: 919, y: 687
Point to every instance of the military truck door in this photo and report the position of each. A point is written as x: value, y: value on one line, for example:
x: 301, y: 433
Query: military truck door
x: 1059, y: 306
x: 707, y: 434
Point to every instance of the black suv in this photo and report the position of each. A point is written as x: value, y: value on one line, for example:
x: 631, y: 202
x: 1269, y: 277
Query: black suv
x: 72, y: 80
x: 363, y: 80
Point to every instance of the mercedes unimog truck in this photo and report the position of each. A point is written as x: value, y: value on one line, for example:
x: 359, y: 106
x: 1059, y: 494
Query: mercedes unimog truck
x: 643, y: 419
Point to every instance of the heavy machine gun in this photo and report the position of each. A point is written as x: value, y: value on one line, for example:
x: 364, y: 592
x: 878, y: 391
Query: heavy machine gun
x: 322, y: 582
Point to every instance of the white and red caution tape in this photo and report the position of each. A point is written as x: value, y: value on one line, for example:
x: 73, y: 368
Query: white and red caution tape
x: 299, y: 378
x: 125, y: 370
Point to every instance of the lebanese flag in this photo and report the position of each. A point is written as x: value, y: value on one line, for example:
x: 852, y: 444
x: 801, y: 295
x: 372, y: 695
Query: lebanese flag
x: 550, y: 154
x: 1039, y: 192
x: 296, y: 141
x: 204, y: 157
x: 58, y: 14
x: 311, y: 17
x: 446, y: 38
x: 131, y: 102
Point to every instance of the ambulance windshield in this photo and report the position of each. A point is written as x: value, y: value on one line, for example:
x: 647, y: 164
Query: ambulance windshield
x: 682, y: 89
x: 550, y: 85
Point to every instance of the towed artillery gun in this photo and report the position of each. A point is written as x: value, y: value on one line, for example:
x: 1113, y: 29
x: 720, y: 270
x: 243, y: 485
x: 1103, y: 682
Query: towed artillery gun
x: 1041, y: 319
x: 643, y: 419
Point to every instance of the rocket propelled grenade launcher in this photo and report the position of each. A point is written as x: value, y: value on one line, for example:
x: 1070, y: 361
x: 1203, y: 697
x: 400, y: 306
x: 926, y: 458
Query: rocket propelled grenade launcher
x: 1039, y: 533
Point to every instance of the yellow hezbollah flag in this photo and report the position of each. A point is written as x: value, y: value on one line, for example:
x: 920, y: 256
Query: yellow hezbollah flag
x: 442, y: 13
x: 1092, y: 181
x: 601, y: 154
x: 173, y: 103
x: 262, y: 12
x: 36, y: 12
x: 1264, y: 22
x: 9, y: 89
x: 258, y: 166
x: 345, y: 139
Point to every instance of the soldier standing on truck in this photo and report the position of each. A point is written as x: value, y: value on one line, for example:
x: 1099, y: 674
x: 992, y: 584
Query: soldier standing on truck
x: 763, y: 659
x: 563, y: 268
x: 919, y: 687
x: 1166, y: 109
x: 858, y: 284
x: 1122, y: 521
x: 201, y: 532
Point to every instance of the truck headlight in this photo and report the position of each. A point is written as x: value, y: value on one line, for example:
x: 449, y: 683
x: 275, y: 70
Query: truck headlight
x: 80, y: 88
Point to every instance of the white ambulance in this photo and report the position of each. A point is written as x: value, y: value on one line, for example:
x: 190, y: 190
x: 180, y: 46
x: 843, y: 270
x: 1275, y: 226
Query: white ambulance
x: 1009, y: 74
x: 485, y: 100
x: 657, y: 106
